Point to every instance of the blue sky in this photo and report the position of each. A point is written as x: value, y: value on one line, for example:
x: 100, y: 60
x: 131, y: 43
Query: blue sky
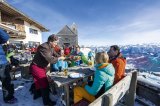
x: 99, y: 22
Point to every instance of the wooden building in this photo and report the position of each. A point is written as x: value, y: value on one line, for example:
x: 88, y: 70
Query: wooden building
x: 68, y: 36
x: 19, y: 26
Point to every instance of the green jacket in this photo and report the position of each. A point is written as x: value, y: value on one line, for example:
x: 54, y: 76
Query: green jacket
x: 9, y: 55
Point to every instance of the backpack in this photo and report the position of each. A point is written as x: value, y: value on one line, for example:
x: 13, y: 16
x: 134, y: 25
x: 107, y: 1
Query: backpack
x: 14, y: 61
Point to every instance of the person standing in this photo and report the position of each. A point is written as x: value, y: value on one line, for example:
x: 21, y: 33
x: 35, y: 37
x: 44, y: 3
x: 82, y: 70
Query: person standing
x: 7, y: 87
x: 45, y: 54
x: 90, y: 55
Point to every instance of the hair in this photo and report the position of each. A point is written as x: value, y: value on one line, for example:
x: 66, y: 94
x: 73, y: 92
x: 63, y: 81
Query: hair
x: 101, y: 57
x: 77, y: 46
x: 52, y: 38
x: 115, y: 47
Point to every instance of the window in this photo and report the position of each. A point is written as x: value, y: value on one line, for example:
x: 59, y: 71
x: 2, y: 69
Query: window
x: 12, y: 26
x: 33, y: 44
x: 33, y: 31
x: 67, y: 39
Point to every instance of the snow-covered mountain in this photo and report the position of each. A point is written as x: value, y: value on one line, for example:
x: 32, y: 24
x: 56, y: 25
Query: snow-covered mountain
x: 145, y: 57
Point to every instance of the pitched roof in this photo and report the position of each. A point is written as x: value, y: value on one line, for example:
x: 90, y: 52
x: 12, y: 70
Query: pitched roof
x: 66, y: 31
x: 5, y: 7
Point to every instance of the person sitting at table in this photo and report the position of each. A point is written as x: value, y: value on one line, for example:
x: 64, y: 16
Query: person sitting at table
x: 67, y: 51
x: 103, y: 80
x: 60, y: 64
x: 78, y: 58
x: 119, y: 62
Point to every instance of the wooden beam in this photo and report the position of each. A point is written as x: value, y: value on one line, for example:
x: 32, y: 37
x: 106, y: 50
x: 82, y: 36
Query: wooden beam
x: 0, y: 17
x: 130, y: 99
x: 7, y: 28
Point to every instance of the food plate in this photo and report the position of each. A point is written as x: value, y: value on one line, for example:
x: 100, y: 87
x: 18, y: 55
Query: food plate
x: 83, y: 65
x: 76, y: 75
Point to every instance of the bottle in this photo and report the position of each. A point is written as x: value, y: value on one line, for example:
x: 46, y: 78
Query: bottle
x: 65, y: 72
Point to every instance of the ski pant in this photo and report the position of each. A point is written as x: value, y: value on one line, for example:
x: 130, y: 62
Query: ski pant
x: 80, y: 93
x: 39, y: 76
x: 7, y: 87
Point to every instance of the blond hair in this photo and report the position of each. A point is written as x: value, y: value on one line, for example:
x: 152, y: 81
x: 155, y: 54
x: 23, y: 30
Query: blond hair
x: 101, y: 57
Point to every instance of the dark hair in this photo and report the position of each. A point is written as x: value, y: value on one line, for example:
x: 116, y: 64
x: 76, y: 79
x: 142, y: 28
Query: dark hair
x: 77, y: 46
x: 115, y: 47
x: 52, y: 38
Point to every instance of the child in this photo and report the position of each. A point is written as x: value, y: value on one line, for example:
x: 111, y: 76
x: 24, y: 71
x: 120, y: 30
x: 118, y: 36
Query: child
x: 60, y: 65
x: 103, y: 79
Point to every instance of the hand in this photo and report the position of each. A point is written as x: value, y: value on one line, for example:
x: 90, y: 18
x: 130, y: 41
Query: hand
x: 61, y: 58
x: 71, y: 57
x: 49, y: 79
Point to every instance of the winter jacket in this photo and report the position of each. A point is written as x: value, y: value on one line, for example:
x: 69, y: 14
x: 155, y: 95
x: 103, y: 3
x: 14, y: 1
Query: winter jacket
x: 66, y: 51
x: 3, y: 39
x: 90, y: 54
x: 60, y: 63
x: 9, y: 55
x: 104, y: 74
x: 45, y: 55
x: 83, y: 58
x: 119, y: 64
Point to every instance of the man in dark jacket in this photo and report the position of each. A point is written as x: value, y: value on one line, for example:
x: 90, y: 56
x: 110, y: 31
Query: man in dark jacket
x: 7, y: 87
x: 45, y: 54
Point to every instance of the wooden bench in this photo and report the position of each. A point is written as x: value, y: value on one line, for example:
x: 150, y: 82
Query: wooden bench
x: 127, y: 87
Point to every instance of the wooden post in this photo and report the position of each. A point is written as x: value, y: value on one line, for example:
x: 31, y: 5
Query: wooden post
x: 0, y: 17
x: 130, y: 97
x: 108, y: 100
x: 66, y: 87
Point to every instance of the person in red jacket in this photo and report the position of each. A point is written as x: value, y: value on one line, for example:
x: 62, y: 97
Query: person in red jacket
x: 67, y: 51
x: 118, y: 61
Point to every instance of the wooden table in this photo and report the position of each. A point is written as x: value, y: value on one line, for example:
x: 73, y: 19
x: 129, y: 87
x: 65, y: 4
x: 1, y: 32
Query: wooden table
x: 65, y: 81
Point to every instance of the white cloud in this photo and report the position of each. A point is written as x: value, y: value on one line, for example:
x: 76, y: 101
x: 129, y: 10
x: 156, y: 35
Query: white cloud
x: 144, y: 27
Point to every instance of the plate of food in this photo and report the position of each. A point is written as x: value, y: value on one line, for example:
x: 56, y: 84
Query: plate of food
x: 76, y: 75
x: 83, y: 65
x: 77, y: 57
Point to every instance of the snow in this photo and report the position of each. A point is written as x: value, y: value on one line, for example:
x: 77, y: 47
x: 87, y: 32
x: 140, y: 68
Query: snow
x: 144, y: 101
x: 26, y: 99
x: 23, y: 95
x: 149, y: 79
x: 85, y: 51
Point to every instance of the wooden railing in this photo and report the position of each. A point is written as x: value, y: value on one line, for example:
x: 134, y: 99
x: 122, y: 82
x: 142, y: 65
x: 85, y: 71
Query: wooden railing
x: 127, y: 87
x: 19, y: 35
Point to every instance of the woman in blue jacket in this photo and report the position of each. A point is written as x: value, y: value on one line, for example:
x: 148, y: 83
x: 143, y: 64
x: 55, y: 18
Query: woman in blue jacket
x: 7, y: 87
x: 103, y: 78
